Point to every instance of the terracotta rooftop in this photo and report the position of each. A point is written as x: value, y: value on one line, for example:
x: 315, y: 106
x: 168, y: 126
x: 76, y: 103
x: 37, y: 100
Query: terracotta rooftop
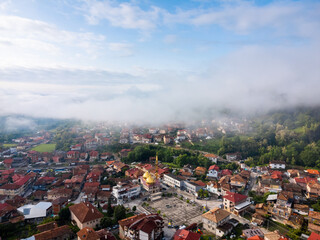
x: 88, y: 234
x: 314, y: 214
x: 314, y: 236
x: 216, y: 214
x: 183, y: 234
x: 55, y: 233
x: 85, y: 212
x: 235, y: 197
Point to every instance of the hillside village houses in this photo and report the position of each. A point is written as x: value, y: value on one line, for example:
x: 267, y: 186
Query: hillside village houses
x: 91, y: 176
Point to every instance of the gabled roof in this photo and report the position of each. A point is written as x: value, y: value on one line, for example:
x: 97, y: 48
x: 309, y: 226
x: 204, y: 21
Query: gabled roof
x: 210, y: 155
x: 183, y: 234
x: 214, y: 167
x: 257, y: 237
x: 85, y: 212
x: 216, y: 214
x: 55, y: 233
x: 314, y: 214
x: 314, y: 236
x: 226, y: 172
x: 313, y: 171
x: 238, y: 178
x: 88, y: 234
x: 235, y: 197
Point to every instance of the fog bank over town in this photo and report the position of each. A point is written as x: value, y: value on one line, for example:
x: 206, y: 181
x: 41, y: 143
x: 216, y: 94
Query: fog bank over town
x: 163, y: 63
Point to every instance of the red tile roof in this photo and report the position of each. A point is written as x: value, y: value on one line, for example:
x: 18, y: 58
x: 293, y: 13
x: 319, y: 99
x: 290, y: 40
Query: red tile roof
x: 235, y: 197
x: 183, y: 234
x: 214, y: 167
x: 257, y: 237
x: 314, y: 236
x: 85, y: 212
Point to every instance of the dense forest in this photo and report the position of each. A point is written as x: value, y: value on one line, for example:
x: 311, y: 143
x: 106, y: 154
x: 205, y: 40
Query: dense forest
x: 172, y: 157
x: 290, y: 136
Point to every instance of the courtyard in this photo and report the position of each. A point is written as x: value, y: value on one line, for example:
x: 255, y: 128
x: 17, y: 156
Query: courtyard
x: 176, y: 211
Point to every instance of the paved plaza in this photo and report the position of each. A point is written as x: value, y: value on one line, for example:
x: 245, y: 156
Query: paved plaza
x: 178, y: 211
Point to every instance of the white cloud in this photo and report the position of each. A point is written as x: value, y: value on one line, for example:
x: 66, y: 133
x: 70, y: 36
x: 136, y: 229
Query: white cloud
x: 123, y: 49
x: 266, y: 78
x: 170, y: 38
x: 126, y: 15
x: 27, y: 41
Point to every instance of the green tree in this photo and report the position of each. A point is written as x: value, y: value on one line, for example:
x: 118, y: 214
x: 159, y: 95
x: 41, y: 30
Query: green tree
x: 119, y: 213
x: 64, y: 216
x: 106, y: 222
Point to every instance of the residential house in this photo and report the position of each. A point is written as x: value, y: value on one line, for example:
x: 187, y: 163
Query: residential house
x: 58, y: 233
x: 141, y: 227
x: 74, y: 183
x: 301, y: 209
x: 88, y: 233
x: 94, y: 176
x: 58, y: 204
x: 212, y: 157
x: 106, y: 156
x: 183, y: 234
x: 233, y: 156
x: 43, y: 183
x: 313, y: 190
x: 277, y: 165
x: 7, y: 212
x: 200, y: 171
x: 314, y: 236
x: 39, y: 195
x: 120, y: 166
x: 257, y: 219
x: 236, y: 203
x: 213, y: 171
x: 216, y: 221
x: 84, y: 214
x: 103, y: 196
x: 193, y: 187
x: 269, y: 185
x: 226, y: 172
x: 58, y: 193
x: 314, y: 222
x: 251, y: 232
x: 238, y: 182
x: 18, y: 187
x: 214, y: 187
x: 273, y: 236
x: 282, y: 209
x: 124, y: 152
x: 73, y: 155
x: 134, y: 173
x: 93, y: 155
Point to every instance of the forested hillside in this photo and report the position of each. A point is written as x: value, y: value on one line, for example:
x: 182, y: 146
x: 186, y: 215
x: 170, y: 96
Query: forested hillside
x: 292, y: 136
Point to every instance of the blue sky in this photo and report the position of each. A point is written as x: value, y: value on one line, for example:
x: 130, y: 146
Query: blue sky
x: 156, y: 59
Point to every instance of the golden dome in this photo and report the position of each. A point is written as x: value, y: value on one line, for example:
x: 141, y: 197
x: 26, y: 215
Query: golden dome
x: 150, y: 180
x: 146, y: 175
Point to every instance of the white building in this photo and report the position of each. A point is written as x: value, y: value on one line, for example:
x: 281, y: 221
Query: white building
x: 213, y: 187
x: 277, y: 165
x: 125, y: 191
x: 172, y: 180
x: 36, y: 213
x: 213, y: 171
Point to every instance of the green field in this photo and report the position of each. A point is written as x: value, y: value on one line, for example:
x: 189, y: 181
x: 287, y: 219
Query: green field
x: 7, y: 145
x: 45, y: 147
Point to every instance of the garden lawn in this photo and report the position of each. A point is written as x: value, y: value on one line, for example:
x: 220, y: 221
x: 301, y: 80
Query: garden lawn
x: 45, y: 147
